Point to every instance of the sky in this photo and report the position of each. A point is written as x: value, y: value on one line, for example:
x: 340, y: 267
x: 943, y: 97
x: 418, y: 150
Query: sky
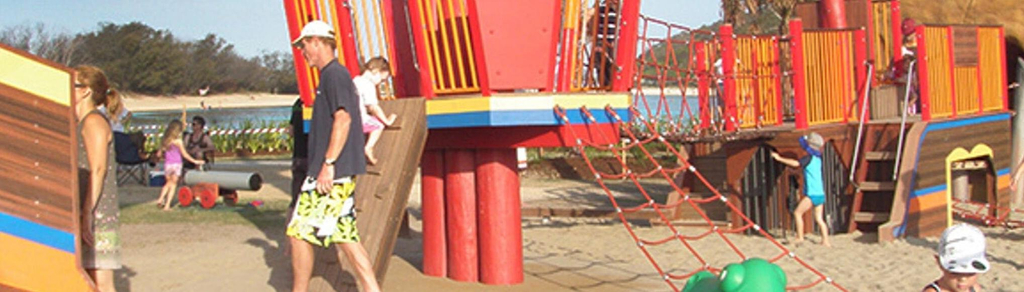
x: 253, y: 26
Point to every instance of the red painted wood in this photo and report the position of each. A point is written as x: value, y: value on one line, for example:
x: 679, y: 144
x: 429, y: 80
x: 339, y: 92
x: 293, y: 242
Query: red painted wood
x: 625, y: 56
x: 498, y: 211
x: 435, y: 253
x: 923, y: 85
x: 526, y: 136
x: 426, y: 80
x: 703, y: 84
x: 460, y: 209
x: 833, y: 13
x: 478, y: 47
x: 301, y: 69
x: 728, y: 71
x: 796, y: 49
x: 348, y: 40
x: 860, y: 54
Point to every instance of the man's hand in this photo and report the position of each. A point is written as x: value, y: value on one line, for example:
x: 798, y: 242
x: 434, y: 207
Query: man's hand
x: 325, y: 181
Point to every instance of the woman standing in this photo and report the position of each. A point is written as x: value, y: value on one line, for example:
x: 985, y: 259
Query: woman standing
x: 99, y: 209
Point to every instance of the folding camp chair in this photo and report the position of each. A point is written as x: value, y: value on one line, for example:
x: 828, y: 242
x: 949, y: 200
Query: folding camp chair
x: 130, y: 163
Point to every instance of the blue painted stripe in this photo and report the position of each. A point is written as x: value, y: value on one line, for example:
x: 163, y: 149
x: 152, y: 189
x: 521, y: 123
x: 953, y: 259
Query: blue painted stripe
x: 516, y: 118
x: 941, y: 126
x: 1003, y: 171
x: 967, y: 122
x: 926, y: 191
x: 37, y: 233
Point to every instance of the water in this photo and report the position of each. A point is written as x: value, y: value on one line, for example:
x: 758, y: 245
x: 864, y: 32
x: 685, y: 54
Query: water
x: 218, y: 118
x: 235, y: 118
x: 674, y: 102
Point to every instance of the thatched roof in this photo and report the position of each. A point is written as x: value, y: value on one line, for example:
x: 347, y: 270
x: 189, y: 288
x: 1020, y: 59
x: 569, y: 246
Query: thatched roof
x: 1008, y: 13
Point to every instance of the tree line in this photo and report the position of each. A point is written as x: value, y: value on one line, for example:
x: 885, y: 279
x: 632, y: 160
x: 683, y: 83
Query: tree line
x: 144, y: 60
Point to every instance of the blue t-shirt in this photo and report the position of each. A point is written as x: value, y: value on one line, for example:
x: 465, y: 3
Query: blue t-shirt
x: 336, y: 92
x: 814, y: 183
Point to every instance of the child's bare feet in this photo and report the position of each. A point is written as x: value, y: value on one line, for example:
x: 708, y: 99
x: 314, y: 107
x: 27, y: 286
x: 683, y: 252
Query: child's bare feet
x: 825, y: 243
x: 370, y: 159
x: 390, y: 120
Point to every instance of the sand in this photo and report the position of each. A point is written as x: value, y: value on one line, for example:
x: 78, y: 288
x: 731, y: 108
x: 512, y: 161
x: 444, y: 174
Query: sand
x: 559, y: 255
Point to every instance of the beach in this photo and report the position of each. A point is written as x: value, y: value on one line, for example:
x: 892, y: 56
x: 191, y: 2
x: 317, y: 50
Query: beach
x: 236, y: 100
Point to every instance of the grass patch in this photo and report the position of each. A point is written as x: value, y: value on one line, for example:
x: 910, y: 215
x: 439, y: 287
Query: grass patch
x: 271, y: 213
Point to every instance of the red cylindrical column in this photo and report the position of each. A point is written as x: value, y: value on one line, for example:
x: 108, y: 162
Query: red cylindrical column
x: 796, y: 50
x: 435, y: 251
x: 833, y: 13
x: 501, y: 238
x: 460, y: 203
x: 728, y: 76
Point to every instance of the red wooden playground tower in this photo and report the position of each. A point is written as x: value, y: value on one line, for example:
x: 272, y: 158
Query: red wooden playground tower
x: 493, y: 74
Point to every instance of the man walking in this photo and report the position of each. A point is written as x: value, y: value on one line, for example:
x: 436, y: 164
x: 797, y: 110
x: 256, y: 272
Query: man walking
x: 325, y: 211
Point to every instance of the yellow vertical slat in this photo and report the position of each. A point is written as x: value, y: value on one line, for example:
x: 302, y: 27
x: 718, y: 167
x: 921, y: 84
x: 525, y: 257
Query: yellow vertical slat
x: 466, y: 35
x: 434, y: 55
x: 458, y: 43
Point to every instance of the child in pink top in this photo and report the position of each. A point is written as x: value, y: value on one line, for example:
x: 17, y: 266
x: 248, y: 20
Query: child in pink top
x: 172, y: 146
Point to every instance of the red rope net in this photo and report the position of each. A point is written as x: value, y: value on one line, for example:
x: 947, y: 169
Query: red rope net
x: 989, y: 215
x: 663, y: 210
x: 650, y: 128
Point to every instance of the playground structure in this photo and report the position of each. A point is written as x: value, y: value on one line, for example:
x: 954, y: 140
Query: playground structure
x: 498, y: 75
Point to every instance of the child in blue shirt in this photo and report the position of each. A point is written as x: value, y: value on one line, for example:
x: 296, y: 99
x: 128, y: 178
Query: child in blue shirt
x: 814, y: 185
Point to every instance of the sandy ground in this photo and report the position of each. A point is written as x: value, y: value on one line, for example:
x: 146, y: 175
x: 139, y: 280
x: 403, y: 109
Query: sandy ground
x: 559, y: 255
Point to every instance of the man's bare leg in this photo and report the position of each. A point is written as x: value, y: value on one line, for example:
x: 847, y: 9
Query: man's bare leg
x: 302, y: 264
x: 357, y: 255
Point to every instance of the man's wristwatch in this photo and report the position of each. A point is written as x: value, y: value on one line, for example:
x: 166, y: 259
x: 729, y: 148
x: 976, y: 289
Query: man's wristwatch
x: 330, y: 161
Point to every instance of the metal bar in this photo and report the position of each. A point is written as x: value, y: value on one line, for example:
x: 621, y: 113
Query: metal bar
x: 903, y: 121
x: 860, y: 127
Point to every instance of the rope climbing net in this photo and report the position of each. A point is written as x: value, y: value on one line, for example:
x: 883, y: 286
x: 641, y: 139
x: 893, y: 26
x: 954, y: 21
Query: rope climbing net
x: 988, y: 214
x: 677, y: 234
x: 654, y: 129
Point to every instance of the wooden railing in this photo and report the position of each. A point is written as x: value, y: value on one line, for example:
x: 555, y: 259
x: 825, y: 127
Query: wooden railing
x: 758, y: 81
x: 961, y: 70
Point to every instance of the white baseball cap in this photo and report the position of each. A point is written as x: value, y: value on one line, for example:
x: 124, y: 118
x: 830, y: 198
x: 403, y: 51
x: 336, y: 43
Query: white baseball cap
x: 316, y: 28
x: 962, y: 250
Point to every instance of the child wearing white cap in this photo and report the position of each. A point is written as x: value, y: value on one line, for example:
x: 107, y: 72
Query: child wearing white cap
x: 961, y: 257
x: 814, y: 185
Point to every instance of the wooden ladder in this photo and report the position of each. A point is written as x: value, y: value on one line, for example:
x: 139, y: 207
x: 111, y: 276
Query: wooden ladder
x: 873, y: 195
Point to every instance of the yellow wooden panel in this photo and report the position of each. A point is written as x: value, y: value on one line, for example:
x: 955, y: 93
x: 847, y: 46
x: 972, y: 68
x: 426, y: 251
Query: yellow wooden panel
x: 34, y: 77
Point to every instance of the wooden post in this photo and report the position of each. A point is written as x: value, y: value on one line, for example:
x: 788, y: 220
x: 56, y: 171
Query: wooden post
x: 625, y: 54
x: 952, y: 70
x: 702, y: 84
x: 460, y: 208
x: 435, y: 255
x: 860, y: 69
x: 728, y: 75
x: 347, y: 37
x: 796, y: 50
x: 833, y: 13
x: 478, y: 48
x: 923, y: 84
x: 419, y: 35
x: 498, y: 211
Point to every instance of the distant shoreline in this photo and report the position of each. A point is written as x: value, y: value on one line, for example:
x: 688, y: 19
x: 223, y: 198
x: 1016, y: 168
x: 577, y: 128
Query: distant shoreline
x: 141, y: 103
